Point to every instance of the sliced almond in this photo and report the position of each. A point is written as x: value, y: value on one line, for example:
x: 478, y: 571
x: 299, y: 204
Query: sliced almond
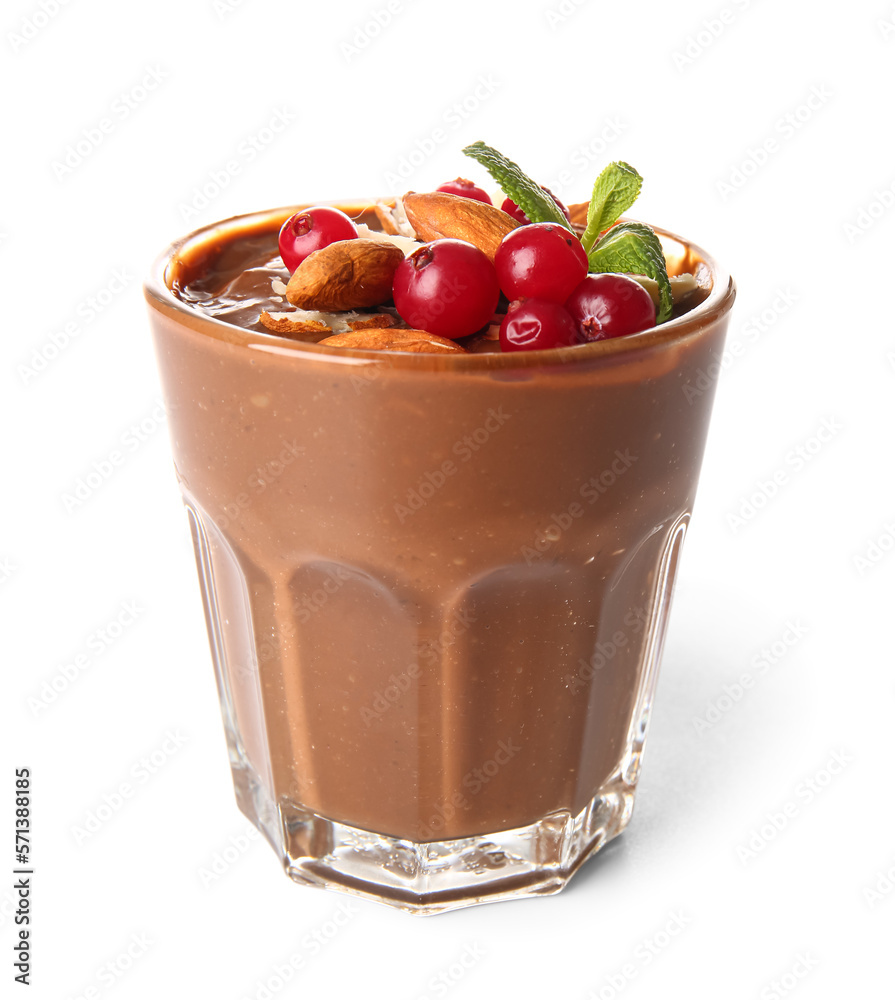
x: 349, y: 274
x: 378, y: 321
x: 578, y: 213
x: 392, y: 219
x: 289, y: 323
x: 305, y: 324
x: 438, y: 215
x: 405, y: 243
x: 411, y: 341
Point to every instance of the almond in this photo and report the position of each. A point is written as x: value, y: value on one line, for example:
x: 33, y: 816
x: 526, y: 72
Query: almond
x: 412, y: 341
x: 348, y: 274
x: 578, y: 213
x: 377, y: 321
x: 438, y: 215
x: 284, y: 322
x: 392, y: 218
x: 301, y: 326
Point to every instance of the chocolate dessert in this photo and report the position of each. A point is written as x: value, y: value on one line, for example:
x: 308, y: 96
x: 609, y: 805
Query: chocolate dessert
x: 436, y: 581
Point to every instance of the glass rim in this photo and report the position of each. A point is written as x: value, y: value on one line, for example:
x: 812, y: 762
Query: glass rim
x: 157, y: 289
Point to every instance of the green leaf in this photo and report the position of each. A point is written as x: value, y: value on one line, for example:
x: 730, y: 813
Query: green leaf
x: 615, y: 191
x: 633, y: 248
x: 537, y: 203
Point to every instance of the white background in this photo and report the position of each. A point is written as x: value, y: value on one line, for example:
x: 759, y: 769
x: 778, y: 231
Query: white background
x: 806, y: 227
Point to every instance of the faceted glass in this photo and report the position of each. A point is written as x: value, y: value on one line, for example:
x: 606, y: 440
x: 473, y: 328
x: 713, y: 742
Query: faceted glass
x: 436, y: 587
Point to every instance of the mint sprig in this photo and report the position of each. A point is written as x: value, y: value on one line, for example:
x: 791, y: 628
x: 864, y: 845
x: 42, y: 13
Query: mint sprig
x: 615, y: 191
x: 537, y: 203
x: 633, y: 248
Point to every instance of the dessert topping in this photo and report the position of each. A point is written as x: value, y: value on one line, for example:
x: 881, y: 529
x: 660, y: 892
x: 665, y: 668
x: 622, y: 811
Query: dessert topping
x: 541, y: 261
x: 312, y: 325
x: 349, y: 274
x: 536, y: 202
x: 465, y: 189
x: 437, y: 215
x: 610, y: 305
x: 536, y: 324
x: 448, y: 287
x: 511, y: 208
x: 309, y: 230
x: 566, y: 282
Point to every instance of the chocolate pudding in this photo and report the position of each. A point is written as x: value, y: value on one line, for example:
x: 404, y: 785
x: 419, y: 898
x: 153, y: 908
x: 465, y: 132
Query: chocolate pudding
x: 436, y: 586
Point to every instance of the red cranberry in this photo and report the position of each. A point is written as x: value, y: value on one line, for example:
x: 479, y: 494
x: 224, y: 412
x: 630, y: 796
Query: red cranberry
x: 610, y: 305
x: 540, y: 261
x: 447, y: 287
x: 511, y: 208
x: 303, y: 233
x: 537, y: 324
x: 465, y: 189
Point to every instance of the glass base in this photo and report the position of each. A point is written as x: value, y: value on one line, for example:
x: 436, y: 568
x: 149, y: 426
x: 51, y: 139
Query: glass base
x: 436, y: 876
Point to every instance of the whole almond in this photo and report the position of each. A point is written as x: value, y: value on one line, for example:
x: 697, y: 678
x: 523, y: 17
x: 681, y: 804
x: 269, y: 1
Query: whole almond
x: 412, y: 341
x: 438, y: 215
x: 578, y: 213
x: 349, y: 274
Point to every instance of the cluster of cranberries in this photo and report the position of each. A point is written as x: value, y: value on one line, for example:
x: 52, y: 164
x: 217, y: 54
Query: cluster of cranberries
x: 450, y: 288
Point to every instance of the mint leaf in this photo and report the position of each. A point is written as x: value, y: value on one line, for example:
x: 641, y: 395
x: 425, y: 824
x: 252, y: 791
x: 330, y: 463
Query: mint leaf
x: 615, y: 191
x: 537, y: 204
x: 633, y: 248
